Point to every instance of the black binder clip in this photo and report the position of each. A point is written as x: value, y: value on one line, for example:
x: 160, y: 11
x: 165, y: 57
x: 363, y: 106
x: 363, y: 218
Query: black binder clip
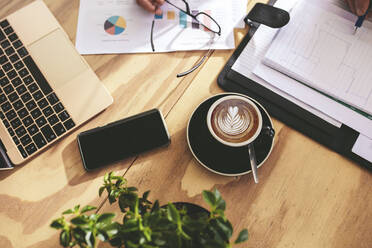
x: 267, y: 15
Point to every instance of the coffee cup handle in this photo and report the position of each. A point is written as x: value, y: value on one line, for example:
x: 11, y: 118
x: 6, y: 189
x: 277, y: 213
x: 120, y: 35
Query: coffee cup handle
x: 268, y: 131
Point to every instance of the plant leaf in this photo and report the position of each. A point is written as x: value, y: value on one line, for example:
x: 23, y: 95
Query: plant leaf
x: 93, y: 217
x: 119, y: 181
x: 173, y: 214
x: 90, y: 239
x: 111, y: 229
x: 79, y: 235
x: 112, y: 197
x: 87, y: 208
x: 243, y: 236
x: 65, y: 238
x: 127, y: 200
x: 209, y: 198
x: 147, y: 234
x: 102, y: 236
x: 105, y: 218
x: 146, y: 195
x: 159, y: 242
x: 132, y: 189
x: 221, y: 205
x: 225, y: 228
x: 57, y: 224
x: 79, y: 220
x: 100, y: 191
x: 110, y: 175
x: 155, y: 207
x: 76, y: 208
x: 217, y: 194
x: 68, y: 211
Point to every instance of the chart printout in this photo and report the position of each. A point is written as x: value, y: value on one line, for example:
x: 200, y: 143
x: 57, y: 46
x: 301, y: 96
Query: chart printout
x: 122, y: 26
x: 319, y: 48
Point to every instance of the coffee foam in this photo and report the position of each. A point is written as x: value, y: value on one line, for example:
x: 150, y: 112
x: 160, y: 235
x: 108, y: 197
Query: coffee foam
x: 234, y: 120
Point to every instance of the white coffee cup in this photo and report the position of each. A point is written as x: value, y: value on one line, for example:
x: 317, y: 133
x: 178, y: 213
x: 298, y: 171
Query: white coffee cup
x: 234, y: 120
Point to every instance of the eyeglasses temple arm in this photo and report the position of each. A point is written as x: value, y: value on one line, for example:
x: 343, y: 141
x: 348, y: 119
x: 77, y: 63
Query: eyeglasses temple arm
x: 152, y: 41
x: 187, y: 7
x: 193, y: 68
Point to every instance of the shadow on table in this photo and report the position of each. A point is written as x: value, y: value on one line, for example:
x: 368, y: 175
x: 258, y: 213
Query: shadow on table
x: 4, y: 174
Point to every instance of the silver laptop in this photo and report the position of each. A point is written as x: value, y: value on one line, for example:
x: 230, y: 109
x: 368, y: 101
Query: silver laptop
x: 46, y: 88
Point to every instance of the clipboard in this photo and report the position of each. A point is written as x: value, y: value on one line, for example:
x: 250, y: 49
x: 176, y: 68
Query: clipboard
x: 340, y: 140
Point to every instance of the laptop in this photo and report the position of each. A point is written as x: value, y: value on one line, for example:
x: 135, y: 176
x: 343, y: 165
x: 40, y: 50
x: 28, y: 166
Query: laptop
x: 46, y: 88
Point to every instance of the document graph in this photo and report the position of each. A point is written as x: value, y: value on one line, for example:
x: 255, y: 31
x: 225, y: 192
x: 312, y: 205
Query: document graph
x: 184, y: 20
x: 318, y: 48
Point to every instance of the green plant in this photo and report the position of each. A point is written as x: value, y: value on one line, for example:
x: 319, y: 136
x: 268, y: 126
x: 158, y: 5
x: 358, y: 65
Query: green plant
x: 146, y: 224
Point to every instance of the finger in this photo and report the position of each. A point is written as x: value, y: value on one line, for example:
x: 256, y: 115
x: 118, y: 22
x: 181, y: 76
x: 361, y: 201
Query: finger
x: 159, y: 2
x: 146, y: 4
x: 351, y: 5
x: 361, y: 6
x: 158, y: 11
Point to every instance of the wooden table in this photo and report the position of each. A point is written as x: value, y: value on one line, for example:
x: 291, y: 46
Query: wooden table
x: 308, y: 196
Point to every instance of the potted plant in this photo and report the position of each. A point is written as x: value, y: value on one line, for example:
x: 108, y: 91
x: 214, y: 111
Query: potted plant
x: 148, y: 225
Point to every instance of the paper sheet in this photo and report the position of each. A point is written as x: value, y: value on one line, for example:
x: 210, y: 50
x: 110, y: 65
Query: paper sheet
x: 313, y: 98
x: 363, y: 147
x: 319, y: 101
x: 121, y: 26
x: 254, y: 52
x: 239, y: 11
x: 326, y: 55
x: 250, y: 61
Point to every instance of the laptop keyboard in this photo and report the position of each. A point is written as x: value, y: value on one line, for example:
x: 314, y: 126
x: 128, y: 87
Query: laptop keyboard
x: 29, y: 108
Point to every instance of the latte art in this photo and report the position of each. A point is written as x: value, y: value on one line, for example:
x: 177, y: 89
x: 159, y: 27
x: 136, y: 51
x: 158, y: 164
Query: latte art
x: 233, y: 123
x: 234, y: 120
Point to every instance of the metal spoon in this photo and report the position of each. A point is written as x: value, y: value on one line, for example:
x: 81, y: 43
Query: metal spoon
x: 252, y: 157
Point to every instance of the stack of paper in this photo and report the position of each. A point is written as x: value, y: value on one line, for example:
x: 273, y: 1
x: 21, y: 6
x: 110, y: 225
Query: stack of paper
x: 122, y: 26
x: 250, y: 64
x: 326, y: 56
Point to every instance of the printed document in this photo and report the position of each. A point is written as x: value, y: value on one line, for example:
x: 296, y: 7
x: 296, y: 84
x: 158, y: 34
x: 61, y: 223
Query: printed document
x: 319, y: 102
x: 319, y: 48
x: 250, y: 62
x: 253, y: 54
x: 121, y: 26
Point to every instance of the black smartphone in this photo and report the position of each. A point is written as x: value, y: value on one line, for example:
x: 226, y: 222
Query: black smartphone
x: 121, y: 139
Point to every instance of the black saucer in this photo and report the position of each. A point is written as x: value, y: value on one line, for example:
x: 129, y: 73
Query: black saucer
x: 219, y: 158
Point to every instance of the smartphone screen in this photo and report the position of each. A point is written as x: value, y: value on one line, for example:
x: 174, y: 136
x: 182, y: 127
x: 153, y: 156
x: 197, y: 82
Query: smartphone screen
x: 122, y: 139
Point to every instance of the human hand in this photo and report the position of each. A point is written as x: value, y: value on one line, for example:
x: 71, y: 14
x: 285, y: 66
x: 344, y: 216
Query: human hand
x: 358, y: 7
x: 151, y: 5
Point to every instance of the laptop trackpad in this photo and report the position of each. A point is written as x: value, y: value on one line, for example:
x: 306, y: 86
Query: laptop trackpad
x: 57, y: 58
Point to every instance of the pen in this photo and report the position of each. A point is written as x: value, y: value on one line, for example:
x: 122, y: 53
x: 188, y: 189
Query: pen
x: 361, y: 18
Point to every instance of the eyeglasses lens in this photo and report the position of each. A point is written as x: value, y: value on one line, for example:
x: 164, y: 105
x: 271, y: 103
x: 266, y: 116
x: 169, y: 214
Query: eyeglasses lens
x: 208, y: 22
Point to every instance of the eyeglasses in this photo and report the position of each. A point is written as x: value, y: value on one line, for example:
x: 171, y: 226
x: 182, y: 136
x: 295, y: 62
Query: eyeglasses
x: 198, y: 18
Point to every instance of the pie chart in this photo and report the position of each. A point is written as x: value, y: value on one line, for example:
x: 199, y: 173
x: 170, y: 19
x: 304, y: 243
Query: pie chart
x: 115, y: 25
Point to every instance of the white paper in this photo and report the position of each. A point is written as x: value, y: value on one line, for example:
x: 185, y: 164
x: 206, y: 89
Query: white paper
x: 172, y: 31
x: 313, y: 98
x: 254, y: 52
x: 239, y: 11
x: 318, y: 101
x: 326, y: 55
x: 307, y: 95
x: 363, y: 147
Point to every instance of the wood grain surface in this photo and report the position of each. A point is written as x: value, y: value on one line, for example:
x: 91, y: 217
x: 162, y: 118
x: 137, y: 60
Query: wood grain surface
x: 308, y: 196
